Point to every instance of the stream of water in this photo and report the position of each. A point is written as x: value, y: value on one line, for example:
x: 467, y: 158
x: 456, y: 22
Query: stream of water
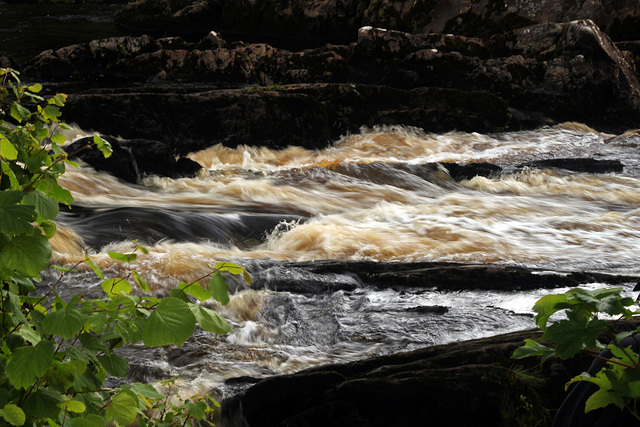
x: 371, y: 196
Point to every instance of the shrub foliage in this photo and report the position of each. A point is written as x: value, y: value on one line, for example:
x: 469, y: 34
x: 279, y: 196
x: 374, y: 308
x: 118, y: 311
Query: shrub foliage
x: 56, y: 354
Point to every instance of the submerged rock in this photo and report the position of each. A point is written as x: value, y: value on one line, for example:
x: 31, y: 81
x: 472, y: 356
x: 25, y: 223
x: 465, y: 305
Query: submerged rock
x: 579, y: 165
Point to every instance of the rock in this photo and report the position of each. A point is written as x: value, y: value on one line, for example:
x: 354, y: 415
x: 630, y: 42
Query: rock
x: 463, y: 384
x: 536, y: 75
x: 579, y: 165
x: 308, y: 115
x: 132, y: 159
x: 212, y: 41
x: 121, y: 163
x: 470, y: 170
x: 298, y: 24
x: 425, y: 275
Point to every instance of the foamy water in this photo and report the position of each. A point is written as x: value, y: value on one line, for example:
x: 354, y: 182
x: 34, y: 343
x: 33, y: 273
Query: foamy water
x: 371, y: 196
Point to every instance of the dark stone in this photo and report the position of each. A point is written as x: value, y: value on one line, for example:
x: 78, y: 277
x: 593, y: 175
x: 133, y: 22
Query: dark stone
x: 579, y: 165
x: 425, y: 275
x: 132, y: 159
x: 309, y: 115
x: 520, y: 79
x: 470, y: 170
x: 424, y: 387
x: 121, y: 163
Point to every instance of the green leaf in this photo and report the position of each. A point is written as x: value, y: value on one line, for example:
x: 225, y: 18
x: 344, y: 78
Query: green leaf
x: 571, y: 335
x: 115, y: 365
x: 26, y: 364
x: 29, y: 334
x: 59, y: 99
x: 229, y: 267
x: 147, y: 390
x: 533, y: 348
x: 196, y: 290
x: 219, y: 288
x: 13, y: 414
x: 43, y: 403
x: 65, y: 323
x: 52, y: 112
x: 122, y: 257
x: 35, y: 88
x: 45, y: 206
x: 19, y: 113
x: 115, y: 286
x: 52, y: 189
x: 603, y: 398
x: 247, y: 277
x: 93, y: 266
x: 15, y: 218
x: 140, y: 281
x: 72, y: 406
x: 196, y: 410
x: 209, y: 320
x: 58, y: 138
x: 123, y: 408
x: 7, y: 150
x: 48, y: 228
x: 27, y: 255
x: 171, y: 323
x: 545, y: 307
x: 103, y: 146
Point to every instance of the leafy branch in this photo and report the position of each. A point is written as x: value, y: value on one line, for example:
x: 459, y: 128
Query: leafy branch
x: 55, y: 355
x: 581, y: 331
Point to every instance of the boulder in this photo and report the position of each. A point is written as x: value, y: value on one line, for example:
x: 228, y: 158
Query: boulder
x: 133, y: 159
x: 121, y: 163
x: 473, y: 383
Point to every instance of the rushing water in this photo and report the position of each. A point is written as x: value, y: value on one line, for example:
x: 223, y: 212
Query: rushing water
x: 370, y: 196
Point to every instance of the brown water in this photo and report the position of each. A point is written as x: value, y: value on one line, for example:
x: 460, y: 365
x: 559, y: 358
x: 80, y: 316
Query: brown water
x: 367, y: 197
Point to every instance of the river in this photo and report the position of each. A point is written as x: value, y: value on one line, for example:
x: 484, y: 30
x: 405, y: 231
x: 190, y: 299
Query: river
x: 373, y: 196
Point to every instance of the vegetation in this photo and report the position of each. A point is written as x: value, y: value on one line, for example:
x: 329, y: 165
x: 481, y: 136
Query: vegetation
x: 55, y: 355
x: 582, y: 330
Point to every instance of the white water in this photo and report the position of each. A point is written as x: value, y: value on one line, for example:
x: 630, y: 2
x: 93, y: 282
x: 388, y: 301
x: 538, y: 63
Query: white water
x: 367, y: 198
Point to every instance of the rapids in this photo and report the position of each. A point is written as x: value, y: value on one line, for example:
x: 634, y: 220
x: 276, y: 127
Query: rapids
x: 371, y: 196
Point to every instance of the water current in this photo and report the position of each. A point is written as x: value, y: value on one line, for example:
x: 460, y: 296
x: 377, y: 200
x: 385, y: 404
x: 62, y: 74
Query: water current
x: 374, y: 196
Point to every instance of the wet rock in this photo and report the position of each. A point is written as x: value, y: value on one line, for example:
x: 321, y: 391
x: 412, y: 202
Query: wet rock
x: 438, y: 275
x: 461, y: 172
x: 308, y: 115
x: 467, y: 383
x: 121, y: 163
x: 579, y: 165
x: 132, y: 159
